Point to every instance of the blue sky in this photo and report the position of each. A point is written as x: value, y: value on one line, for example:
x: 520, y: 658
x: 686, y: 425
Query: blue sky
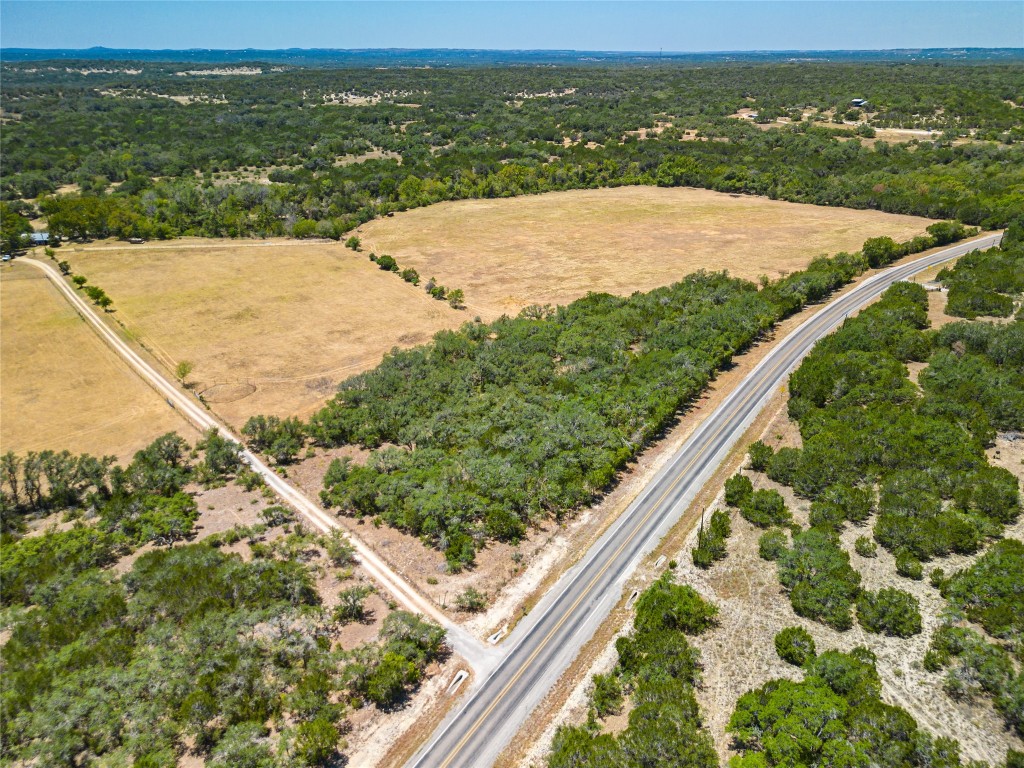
x: 624, y: 25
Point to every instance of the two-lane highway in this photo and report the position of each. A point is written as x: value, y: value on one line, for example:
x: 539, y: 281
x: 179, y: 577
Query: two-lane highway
x: 546, y: 642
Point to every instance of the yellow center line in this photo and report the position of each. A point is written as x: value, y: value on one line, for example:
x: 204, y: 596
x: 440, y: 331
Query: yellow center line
x: 586, y: 592
x: 821, y: 318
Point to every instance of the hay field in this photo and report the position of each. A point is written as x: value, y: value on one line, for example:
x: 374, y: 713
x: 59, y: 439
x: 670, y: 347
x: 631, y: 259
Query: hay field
x: 271, y: 327
x: 62, y: 388
x: 553, y: 248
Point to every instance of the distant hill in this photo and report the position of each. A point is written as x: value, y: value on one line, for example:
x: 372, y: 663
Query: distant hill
x: 441, y: 57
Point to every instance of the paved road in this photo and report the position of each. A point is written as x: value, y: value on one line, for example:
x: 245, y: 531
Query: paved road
x: 473, y: 650
x: 546, y: 641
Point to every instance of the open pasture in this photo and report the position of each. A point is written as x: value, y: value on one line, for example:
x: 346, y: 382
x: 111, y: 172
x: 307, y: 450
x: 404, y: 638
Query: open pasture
x: 63, y: 389
x: 270, y: 327
x: 553, y: 248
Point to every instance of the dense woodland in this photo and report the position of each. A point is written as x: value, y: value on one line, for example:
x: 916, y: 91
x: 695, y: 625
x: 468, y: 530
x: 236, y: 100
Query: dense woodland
x: 496, y: 426
x: 192, y: 649
x: 150, y: 166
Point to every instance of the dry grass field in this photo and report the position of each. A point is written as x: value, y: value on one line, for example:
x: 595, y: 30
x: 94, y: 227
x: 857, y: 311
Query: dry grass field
x: 270, y: 328
x: 553, y: 248
x: 62, y: 388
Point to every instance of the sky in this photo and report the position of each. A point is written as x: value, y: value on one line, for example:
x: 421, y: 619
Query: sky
x: 613, y: 25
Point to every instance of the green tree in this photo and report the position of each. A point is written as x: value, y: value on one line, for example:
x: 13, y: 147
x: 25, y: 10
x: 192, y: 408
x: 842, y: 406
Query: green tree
x: 14, y: 229
x: 795, y: 646
x: 456, y: 298
x: 316, y: 741
x: 765, y: 508
x: 351, y: 604
x: 471, y: 600
x: 890, y: 611
x: 738, y: 490
x: 760, y: 455
x: 183, y: 370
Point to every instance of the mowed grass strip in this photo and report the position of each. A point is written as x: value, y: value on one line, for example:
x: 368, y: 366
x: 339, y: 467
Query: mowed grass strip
x: 553, y: 248
x: 63, y: 389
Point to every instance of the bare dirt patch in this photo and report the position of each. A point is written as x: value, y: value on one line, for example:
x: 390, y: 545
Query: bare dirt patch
x: 63, y: 389
x: 271, y: 328
x: 553, y: 248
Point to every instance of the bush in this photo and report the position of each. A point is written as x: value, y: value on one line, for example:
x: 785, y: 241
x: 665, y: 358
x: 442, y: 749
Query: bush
x: 738, y: 490
x: 457, y: 299
x: 889, y: 611
x: 340, y: 550
x: 387, y: 263
x: 795, y: 646
x: 783, y: 465
x: 276, y: 515
x: 765, y: 508
x: 760, y: 455
x: 937, y: 578
x: 909, y: 566
x: 354, y: 243
x: 865, y: 547
x: 607, y: 695
x: 991, y: 591
x: 822, y: 586
x: 711, y: 540
x: 471, y: 601
x: 772, y: 544
x: 350, y: 604
x: 667, y: 605
x: 410, y: 275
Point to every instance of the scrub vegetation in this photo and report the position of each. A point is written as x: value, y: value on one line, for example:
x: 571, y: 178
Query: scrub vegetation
x: 314, y: 152
x: 192, y: 650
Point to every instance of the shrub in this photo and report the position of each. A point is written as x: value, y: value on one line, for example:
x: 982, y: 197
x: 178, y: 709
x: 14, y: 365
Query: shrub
x: 711, y: 540
x: 865, y: 547
x: 889, y: 611
x: 822, y: 586
x: 909, y: 566
x: 276, y: 515
x: 937, y: 578
x: 350, y: 604
x: 387, y: 263
x: 667, y: 605
x: 607, y: 695
x: 992, y: 589
x: 471, y: 601
x: 339, y: 550
x: 772, y: 544
x: 765, y: 508
x: 354, y: 243
x: 410, y: 275
x: 783, y: 465
x: 738, y: 489
x: 795, y: 646
x: 760, y: 455
x: 457, y: 299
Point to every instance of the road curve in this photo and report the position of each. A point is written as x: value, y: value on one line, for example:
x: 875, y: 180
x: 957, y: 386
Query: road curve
x: 544, y: 643
x: 404, y: 593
